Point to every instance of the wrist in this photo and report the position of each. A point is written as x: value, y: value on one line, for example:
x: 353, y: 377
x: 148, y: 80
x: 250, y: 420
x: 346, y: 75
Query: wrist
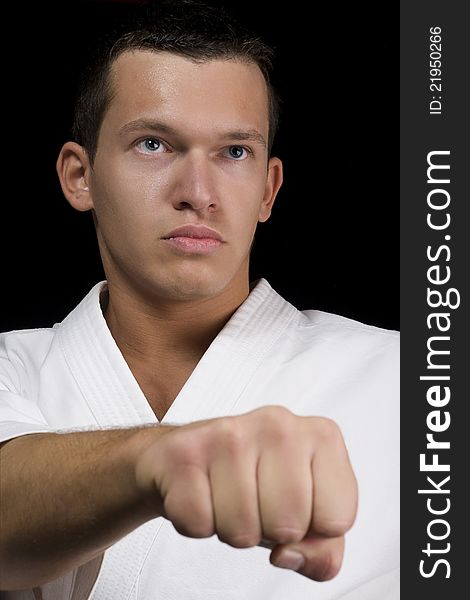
x: 146, y: 491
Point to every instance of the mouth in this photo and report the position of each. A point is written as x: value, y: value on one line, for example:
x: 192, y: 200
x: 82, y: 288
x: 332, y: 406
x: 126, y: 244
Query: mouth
x: 194, y: 239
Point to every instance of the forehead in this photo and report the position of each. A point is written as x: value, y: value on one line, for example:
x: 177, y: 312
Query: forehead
x: 214, y: 94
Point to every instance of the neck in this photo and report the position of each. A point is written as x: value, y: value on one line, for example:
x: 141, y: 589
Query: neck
x: 164, y: 331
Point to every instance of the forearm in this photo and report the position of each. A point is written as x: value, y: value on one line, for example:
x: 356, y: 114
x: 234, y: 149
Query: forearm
x: 67, y: 497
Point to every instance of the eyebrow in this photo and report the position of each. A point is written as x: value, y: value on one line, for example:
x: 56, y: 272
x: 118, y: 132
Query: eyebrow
x: 251, y: 135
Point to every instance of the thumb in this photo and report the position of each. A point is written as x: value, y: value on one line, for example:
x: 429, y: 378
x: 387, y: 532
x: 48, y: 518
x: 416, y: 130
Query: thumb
x: 316, y: 557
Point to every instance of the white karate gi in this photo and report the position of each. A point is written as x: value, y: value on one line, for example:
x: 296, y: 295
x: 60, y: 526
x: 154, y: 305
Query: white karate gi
x: 74, y: 376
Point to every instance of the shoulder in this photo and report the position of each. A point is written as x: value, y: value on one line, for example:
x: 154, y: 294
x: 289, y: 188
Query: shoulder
x: 22, y: 352
x: 25, y: 351
x: 315, y: 328
x: 308, y: 335
x: 345, y: 355
x: 26, y: 341
x: 316, y: 322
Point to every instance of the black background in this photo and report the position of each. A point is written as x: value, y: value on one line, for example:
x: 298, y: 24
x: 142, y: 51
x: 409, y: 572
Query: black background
x: 332, y: 242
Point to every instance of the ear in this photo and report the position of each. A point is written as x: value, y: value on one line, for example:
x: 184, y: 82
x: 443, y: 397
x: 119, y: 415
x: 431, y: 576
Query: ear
x: 73, y: 168
x: 273, y: 183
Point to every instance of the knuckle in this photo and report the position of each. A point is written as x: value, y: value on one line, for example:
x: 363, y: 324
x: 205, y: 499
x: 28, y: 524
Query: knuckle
x: 196, y: 523
x: 181, y: 447
x: 285, y: 535
x: 230, y: 435
x: 246, y: 539
x: 278, y: 423
x: 332, y: 528
x: 240, y: 529
x: 275, y: 414
x: 194, y: 529
x: 329, y: 431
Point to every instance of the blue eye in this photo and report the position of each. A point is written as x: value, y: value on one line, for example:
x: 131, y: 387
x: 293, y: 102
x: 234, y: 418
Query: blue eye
x: 236, y: 152
x: 151, y: 145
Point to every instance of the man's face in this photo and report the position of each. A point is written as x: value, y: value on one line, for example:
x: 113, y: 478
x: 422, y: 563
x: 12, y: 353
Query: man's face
x: 182, y: 144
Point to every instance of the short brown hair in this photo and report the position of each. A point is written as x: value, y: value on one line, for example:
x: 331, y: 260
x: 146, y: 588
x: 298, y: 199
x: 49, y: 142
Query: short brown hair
x: 186, y: 27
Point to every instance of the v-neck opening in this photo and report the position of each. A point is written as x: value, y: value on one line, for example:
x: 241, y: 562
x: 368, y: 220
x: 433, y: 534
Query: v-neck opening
x: 212, y: 389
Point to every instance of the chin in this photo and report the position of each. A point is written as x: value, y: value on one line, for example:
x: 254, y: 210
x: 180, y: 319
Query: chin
x: 196, y: 286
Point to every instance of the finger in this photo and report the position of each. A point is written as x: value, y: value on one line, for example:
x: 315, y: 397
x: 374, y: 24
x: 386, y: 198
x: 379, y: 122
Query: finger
x: 188, y: 503
x: 285, y: 490
x: 318, y: 558
x: 235, y: 498
x: 334, y: 483
x: 263, y: 543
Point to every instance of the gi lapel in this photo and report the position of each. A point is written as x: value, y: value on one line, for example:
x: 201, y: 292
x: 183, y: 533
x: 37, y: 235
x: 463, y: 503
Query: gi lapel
x: 234, y: 356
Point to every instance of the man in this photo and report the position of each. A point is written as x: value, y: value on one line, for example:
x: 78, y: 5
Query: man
x: 208, y: 409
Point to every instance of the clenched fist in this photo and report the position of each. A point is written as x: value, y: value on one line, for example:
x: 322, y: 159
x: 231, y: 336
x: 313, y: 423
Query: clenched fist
x: 267, y: 477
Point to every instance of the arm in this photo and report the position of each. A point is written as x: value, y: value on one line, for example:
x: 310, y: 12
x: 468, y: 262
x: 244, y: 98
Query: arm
x: 65, y: 498
x: 265, y: 475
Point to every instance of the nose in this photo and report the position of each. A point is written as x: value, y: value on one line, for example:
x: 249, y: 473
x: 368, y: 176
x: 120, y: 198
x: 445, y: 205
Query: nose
x: 196, y: 189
